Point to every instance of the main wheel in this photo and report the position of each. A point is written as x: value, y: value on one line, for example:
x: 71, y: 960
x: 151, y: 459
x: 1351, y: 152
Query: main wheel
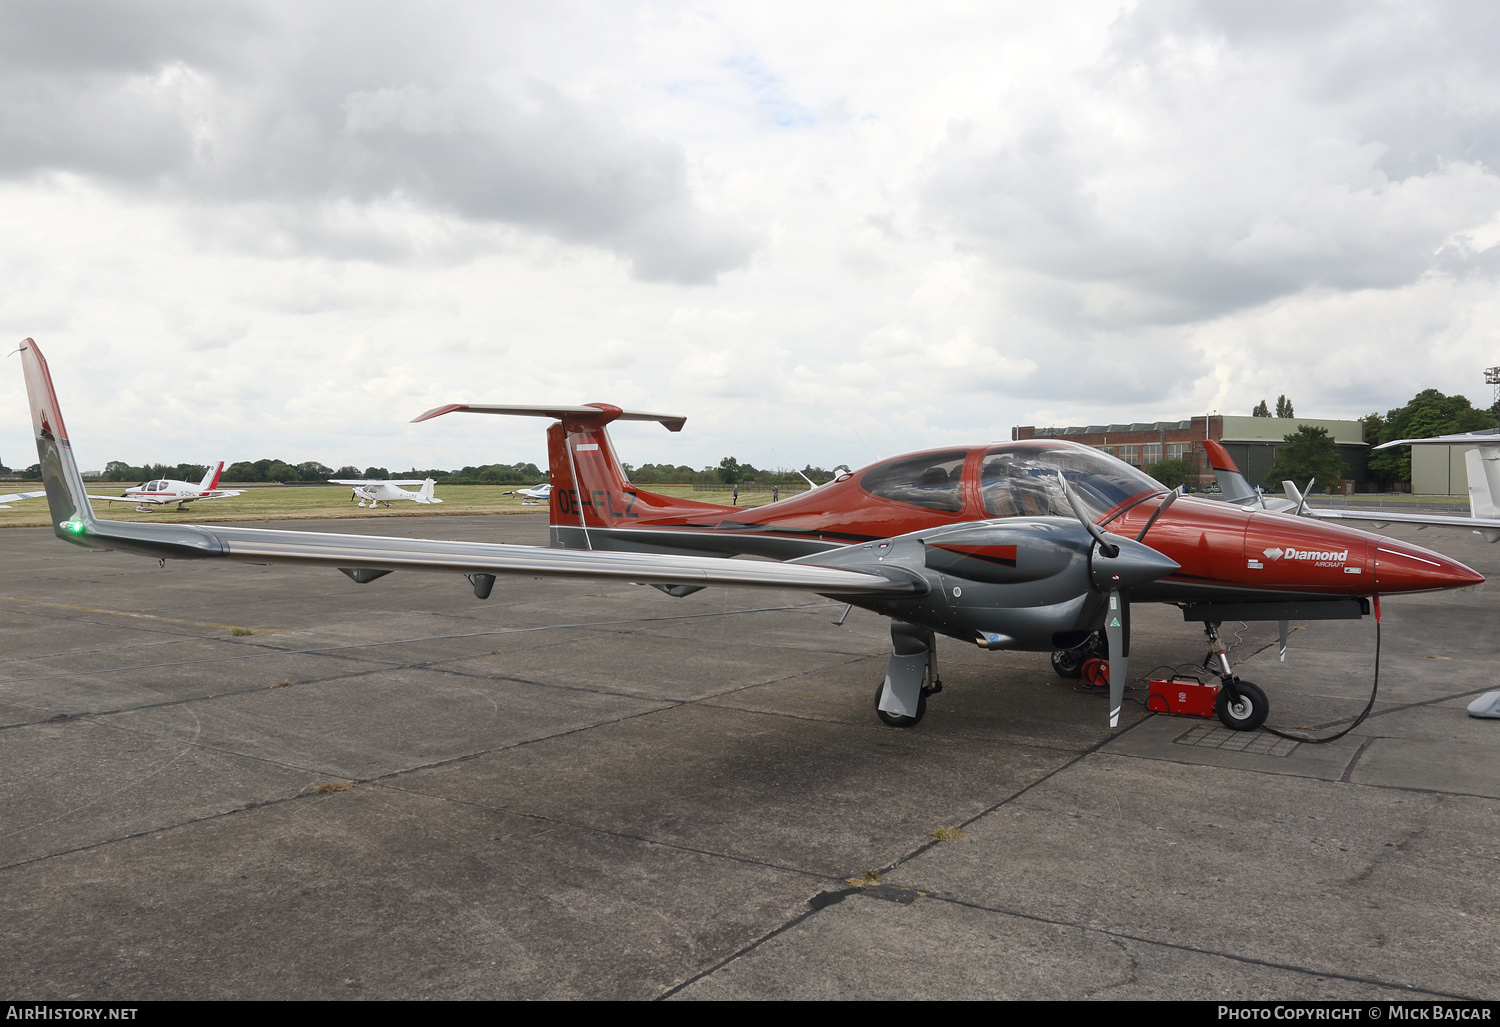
x: 1248, y: 713
x: 896, y: 720
x: 1068, y: 663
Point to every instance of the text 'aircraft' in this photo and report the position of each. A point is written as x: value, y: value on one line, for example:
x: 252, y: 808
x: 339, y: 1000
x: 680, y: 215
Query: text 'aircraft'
x: 149, y: 495
x: 1039, y: 545
x: 388, y: 492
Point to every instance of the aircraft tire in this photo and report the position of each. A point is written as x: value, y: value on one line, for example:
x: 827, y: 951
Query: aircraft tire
x: 1246, y: 715
x: 1068, y: 663
x: 895, y: 720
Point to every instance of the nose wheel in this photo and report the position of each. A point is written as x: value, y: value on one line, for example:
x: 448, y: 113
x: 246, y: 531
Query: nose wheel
x: 1245, y: 711
x: 1241, y: 706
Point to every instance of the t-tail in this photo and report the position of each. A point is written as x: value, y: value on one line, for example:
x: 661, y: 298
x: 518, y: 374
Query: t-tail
x: 1232, y: 483
x: 67, y: 501
x: 589, y: 487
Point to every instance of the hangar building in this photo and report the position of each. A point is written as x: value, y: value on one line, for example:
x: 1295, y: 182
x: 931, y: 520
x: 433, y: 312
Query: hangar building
x: 1252, y: 443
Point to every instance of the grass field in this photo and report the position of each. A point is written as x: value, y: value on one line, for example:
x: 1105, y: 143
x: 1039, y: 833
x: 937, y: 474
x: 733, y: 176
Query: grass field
x: 310, y: 502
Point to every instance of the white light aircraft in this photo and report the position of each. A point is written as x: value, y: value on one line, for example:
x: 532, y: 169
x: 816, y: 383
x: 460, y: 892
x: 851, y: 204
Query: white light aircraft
x: 150, y: 494
x: 540, y: 493
x: 5, y: 501
x: 1484, y: 486
x: 373, y: 492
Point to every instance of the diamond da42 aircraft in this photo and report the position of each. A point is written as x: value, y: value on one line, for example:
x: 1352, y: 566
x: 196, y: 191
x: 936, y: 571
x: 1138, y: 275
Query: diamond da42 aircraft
x: 1039, y: 545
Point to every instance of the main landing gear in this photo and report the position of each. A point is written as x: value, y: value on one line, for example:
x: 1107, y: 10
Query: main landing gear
x: 910, y: 677
x: 1068, y: 663
x: 1241, y: 705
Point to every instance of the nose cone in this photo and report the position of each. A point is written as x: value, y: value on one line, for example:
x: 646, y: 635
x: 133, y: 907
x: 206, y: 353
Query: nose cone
x: 1136, y: 565
x: 1400, y: 567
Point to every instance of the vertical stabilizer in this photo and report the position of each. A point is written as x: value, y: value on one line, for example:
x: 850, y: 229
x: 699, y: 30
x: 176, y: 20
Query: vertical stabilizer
x: 589, y: 487
x: 66, y: 499
x: 1231, y: 482
x: 211, y: 479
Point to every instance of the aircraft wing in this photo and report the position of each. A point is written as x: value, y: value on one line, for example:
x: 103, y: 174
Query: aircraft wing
x: 373, y: 481
x: 20, y: 496
x: 381, y: 553
x: 157, y: 499
x: 1380, y: 517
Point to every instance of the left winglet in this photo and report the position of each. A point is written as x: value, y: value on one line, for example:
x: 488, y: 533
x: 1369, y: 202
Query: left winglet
x: 67, y: 500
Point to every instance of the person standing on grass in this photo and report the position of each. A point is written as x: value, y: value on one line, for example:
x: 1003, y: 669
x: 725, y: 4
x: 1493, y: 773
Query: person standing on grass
x: 775, y: 493
x: 736, y: 495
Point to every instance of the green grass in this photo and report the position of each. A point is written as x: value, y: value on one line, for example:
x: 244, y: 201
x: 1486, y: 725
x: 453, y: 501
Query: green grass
x: 319, y: 502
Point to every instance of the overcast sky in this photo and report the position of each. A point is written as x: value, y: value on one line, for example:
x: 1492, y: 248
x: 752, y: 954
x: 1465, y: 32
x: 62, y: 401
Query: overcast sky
x: 822, y: 232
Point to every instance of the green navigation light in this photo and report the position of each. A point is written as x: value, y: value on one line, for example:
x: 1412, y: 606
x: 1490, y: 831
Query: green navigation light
x: 74, y: 527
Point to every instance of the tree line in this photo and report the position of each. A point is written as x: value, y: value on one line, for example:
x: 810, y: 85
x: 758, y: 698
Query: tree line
x: 729, y: 471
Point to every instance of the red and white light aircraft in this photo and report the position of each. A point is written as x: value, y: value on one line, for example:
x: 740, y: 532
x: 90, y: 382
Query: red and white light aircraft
x: 148, y: 495
x: 1039, y: 545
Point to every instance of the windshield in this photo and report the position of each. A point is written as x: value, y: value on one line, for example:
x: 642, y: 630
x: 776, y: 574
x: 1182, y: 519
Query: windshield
x: 1020, y: 480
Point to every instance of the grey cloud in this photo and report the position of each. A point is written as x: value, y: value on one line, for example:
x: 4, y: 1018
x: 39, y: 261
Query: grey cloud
x: 362, y: 103
x: 1224, y: 155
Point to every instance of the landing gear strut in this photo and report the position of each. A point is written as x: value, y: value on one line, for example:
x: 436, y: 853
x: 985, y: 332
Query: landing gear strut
x: 911, y: 676
x: 1241, y: 706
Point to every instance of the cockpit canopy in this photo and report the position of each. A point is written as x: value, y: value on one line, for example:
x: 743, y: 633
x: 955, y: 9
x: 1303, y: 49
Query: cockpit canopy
x: 1015, y: 480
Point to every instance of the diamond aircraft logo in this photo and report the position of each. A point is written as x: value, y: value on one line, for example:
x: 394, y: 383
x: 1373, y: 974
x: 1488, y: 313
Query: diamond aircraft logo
x: 1320, y: 557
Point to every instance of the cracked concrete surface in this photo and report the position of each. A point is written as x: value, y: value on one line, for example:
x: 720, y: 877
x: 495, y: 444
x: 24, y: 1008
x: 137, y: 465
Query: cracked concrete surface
x: 584, y: 791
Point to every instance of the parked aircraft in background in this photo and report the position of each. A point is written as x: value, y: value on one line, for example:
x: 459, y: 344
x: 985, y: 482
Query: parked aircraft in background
x: 1484, y: 486
x: 148, y: 495
x: 541, y: 492
x: 6, y: 500
x: 372, y: 492
x: 1036, y: 545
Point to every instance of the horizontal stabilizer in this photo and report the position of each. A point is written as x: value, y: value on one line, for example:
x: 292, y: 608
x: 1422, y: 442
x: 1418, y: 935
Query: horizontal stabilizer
x: 1472, y: 438
x: 593, y: 413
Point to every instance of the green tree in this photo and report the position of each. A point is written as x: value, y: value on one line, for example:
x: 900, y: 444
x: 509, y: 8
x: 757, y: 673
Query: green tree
x: 1309, y: 453
x: 1261, y: 410
x: 730, y: 471
x: 1283, y: 407
x: 1428, y: 413
x: 1172, y: 473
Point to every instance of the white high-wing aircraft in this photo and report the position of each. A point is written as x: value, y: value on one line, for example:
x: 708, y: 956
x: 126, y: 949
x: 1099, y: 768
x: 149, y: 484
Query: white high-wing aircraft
x: 150, y: 494
x: 5, y: 501
x: 372, y: 492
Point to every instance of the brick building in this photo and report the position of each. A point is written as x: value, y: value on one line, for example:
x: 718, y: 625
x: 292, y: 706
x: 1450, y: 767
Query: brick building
x: 1251, y: 442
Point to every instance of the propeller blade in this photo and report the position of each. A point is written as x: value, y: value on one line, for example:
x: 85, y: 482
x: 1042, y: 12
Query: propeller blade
x: 1117, y: 632
x: 1106, y: 547
x: 1161, y: 508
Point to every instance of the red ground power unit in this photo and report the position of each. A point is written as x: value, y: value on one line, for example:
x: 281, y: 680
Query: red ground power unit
x: 1183, y: 696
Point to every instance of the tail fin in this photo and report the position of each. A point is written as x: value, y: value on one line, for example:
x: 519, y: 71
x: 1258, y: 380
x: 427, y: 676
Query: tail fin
x: 66, y: 498
x: 1484, y: 480
x: 589, y: 487
x: 425, y: 492
x: 1231, y: 482
x: 211, y: 479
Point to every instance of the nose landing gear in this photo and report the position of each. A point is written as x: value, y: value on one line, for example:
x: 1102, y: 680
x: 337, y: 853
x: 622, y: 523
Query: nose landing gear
x: 1241, y: 705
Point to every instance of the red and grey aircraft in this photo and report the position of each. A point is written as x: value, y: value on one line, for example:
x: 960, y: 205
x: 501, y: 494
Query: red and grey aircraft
x: 1039, y: 545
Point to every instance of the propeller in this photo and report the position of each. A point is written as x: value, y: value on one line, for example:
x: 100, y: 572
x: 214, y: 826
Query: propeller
x: 1114, y: 568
